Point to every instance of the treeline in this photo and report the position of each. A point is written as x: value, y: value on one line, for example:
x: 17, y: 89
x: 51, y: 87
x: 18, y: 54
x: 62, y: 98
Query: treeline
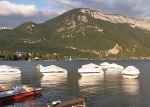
x: 17, y: 56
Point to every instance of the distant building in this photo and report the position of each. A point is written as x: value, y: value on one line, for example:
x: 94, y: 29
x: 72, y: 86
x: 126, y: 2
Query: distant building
x: 37, y: 58
x: 1, y: 28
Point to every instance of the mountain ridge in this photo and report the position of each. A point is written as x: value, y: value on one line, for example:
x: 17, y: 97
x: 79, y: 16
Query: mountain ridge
x: 141, y: 23
x: 82, y: 33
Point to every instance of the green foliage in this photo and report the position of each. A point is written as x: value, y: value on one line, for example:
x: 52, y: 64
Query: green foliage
x: 9, y: 55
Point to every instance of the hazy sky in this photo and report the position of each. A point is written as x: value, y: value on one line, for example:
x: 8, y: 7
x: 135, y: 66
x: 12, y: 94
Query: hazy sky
x: 16, y: 12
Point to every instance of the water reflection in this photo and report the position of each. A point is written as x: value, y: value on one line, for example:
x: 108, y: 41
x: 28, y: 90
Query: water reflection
x: 90, y: 84
x: 53, y: 87
x: 10, y: 79
x: 53, y: 80
x: 130, y: 86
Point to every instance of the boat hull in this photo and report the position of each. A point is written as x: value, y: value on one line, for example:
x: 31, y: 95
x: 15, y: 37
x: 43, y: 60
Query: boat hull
x: 9, y: 73
x: 54, y: 73
x: 130, y: 76
x: 28, y: 99
x: 15, y: 97
x: 92, y: 72
x: 113, y: 69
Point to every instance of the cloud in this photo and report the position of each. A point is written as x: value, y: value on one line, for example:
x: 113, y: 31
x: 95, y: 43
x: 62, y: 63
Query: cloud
x: 12, y: 15
x: 68, y: 3
x: 62, y: 6
x: 8, y: 8
x: 130, y: 8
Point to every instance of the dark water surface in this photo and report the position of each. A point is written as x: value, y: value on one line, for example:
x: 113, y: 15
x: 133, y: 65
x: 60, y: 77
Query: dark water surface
x: 109, y: 90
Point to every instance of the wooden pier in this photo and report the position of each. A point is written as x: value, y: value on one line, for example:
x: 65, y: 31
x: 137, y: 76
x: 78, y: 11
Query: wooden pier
x: 76, y: 102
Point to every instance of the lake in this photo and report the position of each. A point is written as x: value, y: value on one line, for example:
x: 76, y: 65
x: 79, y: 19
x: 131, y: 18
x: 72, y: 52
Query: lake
x: 109, y: 90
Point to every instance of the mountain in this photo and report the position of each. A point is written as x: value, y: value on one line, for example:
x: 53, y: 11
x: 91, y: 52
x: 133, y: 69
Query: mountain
x: 82, y: 33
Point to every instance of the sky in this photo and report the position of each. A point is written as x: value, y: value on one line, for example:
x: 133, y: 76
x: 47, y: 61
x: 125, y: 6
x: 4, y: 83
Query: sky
x: 15, y: 12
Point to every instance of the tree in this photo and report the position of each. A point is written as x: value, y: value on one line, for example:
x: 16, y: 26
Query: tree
x: 8, y: 55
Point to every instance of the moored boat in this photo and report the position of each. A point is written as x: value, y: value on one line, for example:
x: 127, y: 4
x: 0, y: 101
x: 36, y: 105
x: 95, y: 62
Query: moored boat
x: 104, y: 65
x: 19, y: 92
x: 51, y: 70
x: 130, y: 72
x: 114, y: 67
x: 90, y: 69
x: 5, y: 69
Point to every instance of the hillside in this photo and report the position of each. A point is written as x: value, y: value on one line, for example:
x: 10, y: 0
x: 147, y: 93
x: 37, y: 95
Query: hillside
x: 82, y: 33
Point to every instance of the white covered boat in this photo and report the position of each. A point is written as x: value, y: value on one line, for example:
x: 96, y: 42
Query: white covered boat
x: 52, y: 70
x: 104, y: 65
x: 5, y: 69
x: 130, y: 72
x: 114, y: 67
x: 90, y: 69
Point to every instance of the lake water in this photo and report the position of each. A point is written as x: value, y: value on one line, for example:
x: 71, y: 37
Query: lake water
x: 109, y: 90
